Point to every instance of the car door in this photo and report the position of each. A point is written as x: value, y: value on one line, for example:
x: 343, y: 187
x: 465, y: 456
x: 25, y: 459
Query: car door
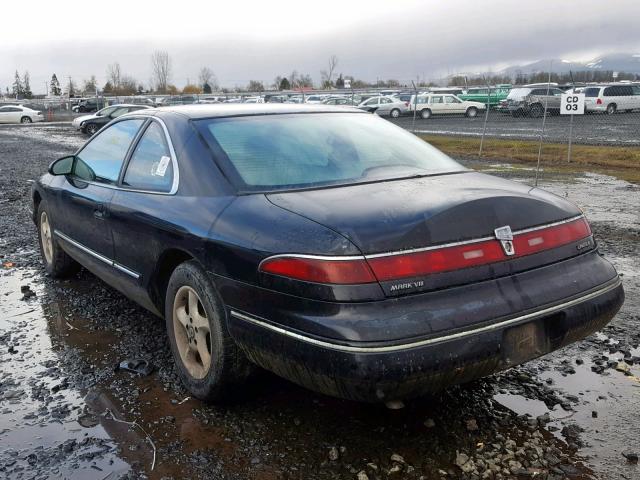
x: 146, y: 189
x: 10, y: 114
x: 436, y: 104
x: 5, y: 114
x: 87, y: 192
x: 453, y: 104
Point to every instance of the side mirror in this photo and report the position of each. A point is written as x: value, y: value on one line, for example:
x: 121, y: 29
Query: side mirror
x: 62, y: 166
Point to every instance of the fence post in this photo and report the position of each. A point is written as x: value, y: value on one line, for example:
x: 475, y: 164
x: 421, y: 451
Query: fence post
x: 573, y: 83
x: 415, y: 106
x: 486, y: 117
x: 544, y: 121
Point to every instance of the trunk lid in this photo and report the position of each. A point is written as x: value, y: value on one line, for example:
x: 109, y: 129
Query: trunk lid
x: 418, y: 213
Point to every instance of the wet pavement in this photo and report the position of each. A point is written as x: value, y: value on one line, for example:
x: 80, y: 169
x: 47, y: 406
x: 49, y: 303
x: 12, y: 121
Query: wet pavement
x: 67, y: 412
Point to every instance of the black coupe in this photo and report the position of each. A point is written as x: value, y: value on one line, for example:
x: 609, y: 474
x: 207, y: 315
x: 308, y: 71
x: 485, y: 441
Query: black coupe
x: 324, y: 244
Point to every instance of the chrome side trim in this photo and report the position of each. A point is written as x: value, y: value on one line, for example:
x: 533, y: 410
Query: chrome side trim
x: 97, y: 255
x: 416, y: 250
x: 422, y: 343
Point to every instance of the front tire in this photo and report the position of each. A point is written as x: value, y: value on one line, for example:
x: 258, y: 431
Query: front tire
x: 208, y: 361
x: 425, y: 113
x: 56, y: 261
x: 91, y: 129
x: 26, y: 119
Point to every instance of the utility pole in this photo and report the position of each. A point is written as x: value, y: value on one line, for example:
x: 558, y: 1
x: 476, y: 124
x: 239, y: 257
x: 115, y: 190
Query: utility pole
x: 46, y: 88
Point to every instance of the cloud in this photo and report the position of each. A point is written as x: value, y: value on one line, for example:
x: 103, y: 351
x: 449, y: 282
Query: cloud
x: 371, y: 39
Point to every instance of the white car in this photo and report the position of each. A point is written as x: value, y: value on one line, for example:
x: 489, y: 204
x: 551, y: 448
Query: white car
x: 314, y: 98
x: 612, y: 98
x: 383, y: 105
x: 253, y: 100
x: 19, y: 114
x: 428, y: 104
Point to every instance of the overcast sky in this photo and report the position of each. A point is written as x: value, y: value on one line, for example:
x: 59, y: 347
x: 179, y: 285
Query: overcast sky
x: 240, y: 41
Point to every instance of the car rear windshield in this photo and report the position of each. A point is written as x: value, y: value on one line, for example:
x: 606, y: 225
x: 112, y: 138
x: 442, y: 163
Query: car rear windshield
x: 518, y: 93
x: 274, y: 152
x: 591, y: 92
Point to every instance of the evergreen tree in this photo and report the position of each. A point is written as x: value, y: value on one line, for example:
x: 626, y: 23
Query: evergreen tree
x: 284, y: 84
x: 17, y: 89
x: 54, y: 86
x: 206, y: 88
x: 26, y: 87
x: 340, y: 82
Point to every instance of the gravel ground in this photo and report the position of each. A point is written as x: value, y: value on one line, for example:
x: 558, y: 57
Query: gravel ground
x: 66, y: 412
x: 619, y: 129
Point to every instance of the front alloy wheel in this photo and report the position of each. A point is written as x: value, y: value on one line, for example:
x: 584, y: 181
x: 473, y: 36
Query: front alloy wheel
x: 91, y: 128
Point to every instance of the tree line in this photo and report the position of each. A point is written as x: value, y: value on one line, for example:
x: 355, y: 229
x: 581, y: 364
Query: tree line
x: 123, y: 84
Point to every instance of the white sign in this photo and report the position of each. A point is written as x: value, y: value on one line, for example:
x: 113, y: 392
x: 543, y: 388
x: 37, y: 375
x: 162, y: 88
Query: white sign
x: 572, y: 104
x: 347, y: 83
x: 615, y: 74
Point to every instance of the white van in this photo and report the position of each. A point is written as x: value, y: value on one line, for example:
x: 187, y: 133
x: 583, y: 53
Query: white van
x: 612, y: 98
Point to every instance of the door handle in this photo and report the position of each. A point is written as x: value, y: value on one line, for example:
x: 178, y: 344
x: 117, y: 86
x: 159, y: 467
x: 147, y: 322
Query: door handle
x: 99, y: 211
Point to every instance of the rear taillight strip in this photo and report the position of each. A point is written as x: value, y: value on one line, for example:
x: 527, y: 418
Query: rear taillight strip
x: 358, y: 269
x: 469, y: 242
x: 485, y: 252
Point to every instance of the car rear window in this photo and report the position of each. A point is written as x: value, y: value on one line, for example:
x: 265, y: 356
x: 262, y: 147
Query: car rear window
x: 271, y: 152
x: 518, y: 93
x: 591, y: 92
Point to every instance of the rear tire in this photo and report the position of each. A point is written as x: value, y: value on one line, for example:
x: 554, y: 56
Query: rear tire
x: 471, y: 112
x: 611, y: 108
x: 395, y: 113
x: 425, y: 113
x: 536, y: 110
x: 207, y: 359
x: 26, y: 119
x: 56, y: 261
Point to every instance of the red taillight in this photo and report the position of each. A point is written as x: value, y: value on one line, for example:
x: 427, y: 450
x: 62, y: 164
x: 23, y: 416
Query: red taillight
x: 457, y: 257
x: 599, y: 101
x: 385, y: 267
x: 319, y: 270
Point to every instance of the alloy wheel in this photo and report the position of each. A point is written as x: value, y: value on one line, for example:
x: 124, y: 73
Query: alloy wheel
x: 45, y: 235
x: 192, y: 332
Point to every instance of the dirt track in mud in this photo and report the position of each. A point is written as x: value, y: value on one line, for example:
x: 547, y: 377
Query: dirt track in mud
x: 63, y: 405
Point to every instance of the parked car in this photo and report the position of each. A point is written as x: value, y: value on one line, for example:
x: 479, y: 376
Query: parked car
x: 532, y: 100
x: 612, y: 98
x: 428, y: 104
x: 19, y: 114
x: 253, y: 100
x: 385, y: 106
x: 87, y: 105
x: 178, y: 100
x: 314, y: 98
x: 339, y: 101
x: 491, y: 95
x: 90, y: 124
x: 329, y: 246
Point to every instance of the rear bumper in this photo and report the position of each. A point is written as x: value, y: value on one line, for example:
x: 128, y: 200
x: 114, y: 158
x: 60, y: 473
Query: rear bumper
x: 388, y: 371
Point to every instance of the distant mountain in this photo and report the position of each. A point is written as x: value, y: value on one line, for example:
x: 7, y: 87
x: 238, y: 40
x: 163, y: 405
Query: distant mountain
x: 618, y: 62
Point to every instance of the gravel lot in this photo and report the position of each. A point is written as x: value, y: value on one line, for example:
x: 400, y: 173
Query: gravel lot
x: 597, y: 129
x: 572, y: 414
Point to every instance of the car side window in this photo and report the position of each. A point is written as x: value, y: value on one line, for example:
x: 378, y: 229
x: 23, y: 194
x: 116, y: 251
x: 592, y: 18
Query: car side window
x: 451, y: 99
x: 102, y: 158
x: 437, y: 99
x: 150, y: 167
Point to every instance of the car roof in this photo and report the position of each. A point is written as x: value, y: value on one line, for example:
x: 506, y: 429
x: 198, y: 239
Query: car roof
x: 241, y: 109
